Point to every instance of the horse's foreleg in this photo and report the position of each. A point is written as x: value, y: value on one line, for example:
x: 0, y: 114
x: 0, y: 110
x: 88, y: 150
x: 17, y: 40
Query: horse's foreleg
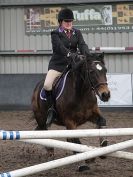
x: 72, y: 126
x: 74, y: 140
x: 101, y: 124
x: 41, y: 122
x: 42, y: 126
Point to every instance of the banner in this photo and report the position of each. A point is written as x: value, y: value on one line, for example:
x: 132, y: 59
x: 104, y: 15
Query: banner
x: 120, y: 86
x: 88, y: 18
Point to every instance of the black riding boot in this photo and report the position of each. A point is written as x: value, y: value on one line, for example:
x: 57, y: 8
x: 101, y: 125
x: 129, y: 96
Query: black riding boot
x: 51, y: 114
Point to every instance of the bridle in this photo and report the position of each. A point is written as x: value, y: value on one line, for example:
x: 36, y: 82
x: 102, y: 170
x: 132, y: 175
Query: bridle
x: 88, y: 77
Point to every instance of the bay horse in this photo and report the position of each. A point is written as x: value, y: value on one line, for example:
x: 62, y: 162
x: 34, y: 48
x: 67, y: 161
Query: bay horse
x: 78, y: 102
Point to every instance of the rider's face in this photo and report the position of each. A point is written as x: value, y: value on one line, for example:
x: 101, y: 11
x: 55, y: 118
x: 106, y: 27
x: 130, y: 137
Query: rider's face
x: 67, y: 24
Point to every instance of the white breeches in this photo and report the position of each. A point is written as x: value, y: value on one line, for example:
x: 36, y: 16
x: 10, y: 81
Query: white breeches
x: 50, y: 77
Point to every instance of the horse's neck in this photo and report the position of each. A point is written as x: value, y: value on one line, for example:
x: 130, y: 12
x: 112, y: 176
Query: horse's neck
x: 76, y: 92
x: 82, y: 87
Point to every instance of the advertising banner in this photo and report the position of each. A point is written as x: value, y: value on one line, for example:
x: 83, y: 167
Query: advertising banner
x: 120, y: 86
x: 88, y: 18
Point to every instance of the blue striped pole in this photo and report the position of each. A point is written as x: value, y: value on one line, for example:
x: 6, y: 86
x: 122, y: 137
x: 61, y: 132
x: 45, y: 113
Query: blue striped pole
x: 16, y: 135
x: 5, y: 175
x: 9, y: 135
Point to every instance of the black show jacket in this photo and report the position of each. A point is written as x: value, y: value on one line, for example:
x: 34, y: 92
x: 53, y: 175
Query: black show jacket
x: 61, y: 45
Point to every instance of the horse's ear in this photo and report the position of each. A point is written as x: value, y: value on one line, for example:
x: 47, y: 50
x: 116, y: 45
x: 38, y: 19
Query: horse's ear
x: 91, y: 57
x: 101, y: 57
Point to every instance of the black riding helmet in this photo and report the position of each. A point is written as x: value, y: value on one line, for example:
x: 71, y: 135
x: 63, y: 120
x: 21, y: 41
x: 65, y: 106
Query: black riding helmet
x: 65, y: 14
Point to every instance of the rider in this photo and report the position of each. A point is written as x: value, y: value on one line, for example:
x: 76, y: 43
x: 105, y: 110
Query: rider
x: 65, y: 41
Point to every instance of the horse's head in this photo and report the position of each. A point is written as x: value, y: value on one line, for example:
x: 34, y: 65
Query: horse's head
x: 97, y: 76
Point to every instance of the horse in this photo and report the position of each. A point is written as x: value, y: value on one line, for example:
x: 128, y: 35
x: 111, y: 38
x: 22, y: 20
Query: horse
x: 78, y: 102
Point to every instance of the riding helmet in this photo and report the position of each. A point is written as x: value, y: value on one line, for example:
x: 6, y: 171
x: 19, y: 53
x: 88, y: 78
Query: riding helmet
x: 65, y: 14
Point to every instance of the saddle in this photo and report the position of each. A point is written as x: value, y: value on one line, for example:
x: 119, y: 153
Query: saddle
x: 58, y: 87
x: 59, y: 84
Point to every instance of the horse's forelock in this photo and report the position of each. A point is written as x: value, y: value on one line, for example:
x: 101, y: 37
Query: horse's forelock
x: 99, y: 57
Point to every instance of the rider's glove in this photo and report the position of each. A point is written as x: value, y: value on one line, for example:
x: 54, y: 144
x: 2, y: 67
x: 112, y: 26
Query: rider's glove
x: 73, y: 57
x: 75, y: 60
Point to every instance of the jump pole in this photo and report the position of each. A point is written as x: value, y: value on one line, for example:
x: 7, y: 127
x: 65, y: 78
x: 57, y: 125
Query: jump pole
x: 76, y: 147
x: 12, y: 135
x: 68, y: 160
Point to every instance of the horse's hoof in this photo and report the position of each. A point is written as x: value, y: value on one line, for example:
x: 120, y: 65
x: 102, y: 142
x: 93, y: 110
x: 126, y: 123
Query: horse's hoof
x: 83, y: 168
x: 104, y: 143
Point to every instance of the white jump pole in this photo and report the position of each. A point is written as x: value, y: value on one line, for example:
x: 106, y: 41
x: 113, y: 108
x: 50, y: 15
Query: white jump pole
x: 76, y: 147
x: 109, y: 49
x: 11, y: 135
x: 68, y: 160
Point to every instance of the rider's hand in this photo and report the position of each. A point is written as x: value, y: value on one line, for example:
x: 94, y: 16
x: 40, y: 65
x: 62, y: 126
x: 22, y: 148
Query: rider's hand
x: 76, y: 60
x: 71, y: 56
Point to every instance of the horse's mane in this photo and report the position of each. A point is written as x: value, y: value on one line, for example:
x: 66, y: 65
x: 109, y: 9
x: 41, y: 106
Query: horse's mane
x: 80, y: 79
x: 79, y: 74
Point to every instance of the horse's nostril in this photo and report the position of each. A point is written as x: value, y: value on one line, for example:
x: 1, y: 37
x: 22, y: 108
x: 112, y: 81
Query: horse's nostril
x: 105, y: 96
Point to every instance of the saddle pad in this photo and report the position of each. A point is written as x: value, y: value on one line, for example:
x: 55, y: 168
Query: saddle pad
x: 57, y: 90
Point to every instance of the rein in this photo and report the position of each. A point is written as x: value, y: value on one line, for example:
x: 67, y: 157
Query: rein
x: 96, y: 86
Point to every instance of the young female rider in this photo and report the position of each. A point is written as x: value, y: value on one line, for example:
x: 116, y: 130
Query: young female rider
x: 65, y: 41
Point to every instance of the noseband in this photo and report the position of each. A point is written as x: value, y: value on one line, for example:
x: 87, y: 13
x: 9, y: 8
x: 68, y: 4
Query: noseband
x: 95, y: 87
